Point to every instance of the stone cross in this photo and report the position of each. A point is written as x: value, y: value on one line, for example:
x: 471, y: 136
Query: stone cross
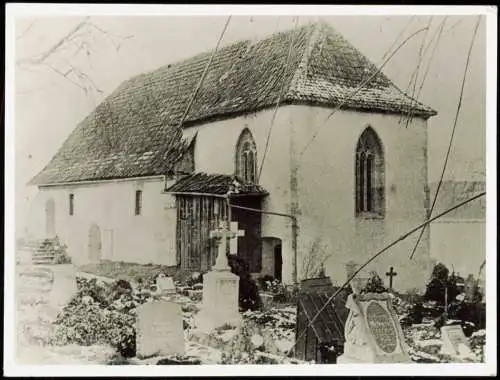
x: 233, y: 243
x: 221, y: 235
x: 391, y: 274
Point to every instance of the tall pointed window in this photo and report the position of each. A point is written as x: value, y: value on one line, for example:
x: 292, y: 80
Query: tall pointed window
x: 246, y: 158
x: 370, y: 189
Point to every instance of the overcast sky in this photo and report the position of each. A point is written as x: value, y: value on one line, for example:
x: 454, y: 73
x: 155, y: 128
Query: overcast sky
x: 49, y: 106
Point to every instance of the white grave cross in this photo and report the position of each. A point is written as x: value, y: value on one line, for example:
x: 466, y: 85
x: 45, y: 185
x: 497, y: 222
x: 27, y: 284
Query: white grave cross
x: 221, y: 235
x: 233, y: 243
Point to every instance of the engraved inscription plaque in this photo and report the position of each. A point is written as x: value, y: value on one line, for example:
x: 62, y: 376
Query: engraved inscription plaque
x: 381, y: 327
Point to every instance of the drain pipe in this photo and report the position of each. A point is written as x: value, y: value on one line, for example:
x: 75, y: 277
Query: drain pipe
x: 293, y: 218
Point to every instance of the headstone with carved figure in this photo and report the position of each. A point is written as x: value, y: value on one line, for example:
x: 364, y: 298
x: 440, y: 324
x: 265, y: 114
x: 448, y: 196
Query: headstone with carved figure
x: 372, y: 331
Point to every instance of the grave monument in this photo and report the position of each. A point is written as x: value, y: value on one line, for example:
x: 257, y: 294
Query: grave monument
x: 220, y: 285
x: 159, y: 329
x: 164, y: 285
x: 372, y: 331
x: 64, y: 286
x: 455, y: 343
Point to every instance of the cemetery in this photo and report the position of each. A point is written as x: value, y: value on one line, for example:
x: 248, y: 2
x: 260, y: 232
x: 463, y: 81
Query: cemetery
x: 155, y: 316
x: 119, y: 313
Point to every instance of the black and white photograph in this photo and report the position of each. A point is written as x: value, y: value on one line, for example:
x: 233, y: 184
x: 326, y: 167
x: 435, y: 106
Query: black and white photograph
x: 298, y: 188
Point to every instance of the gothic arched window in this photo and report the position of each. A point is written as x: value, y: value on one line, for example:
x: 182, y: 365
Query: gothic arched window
x: 370, y: 189
x: 246, y: 158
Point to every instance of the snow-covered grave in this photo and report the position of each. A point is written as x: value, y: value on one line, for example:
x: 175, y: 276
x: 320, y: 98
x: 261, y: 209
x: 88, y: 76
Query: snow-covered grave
x: 455, y: 343
x: 165, y: 285
x: 64, y: 286
x: 33, y: 277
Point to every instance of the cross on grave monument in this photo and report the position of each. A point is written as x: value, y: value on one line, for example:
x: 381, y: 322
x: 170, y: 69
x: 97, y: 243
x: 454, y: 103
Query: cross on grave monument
x: 391, y: 274
x: 233, y: 243
x: 220, y: 286
x: 221, y: 235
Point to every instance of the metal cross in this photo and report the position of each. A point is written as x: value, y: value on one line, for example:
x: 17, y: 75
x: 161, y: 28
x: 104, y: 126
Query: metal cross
x: 391, y: 274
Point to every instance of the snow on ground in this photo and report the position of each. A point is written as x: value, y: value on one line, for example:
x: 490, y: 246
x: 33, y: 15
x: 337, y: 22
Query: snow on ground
x: 267, y: 335
x: 34, y: 327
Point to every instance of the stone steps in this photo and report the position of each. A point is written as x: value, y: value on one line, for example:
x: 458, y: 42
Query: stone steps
x: 39, y: 254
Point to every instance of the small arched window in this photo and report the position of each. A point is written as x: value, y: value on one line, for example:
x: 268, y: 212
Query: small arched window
x: 246, y: 158
x: 370, y: 179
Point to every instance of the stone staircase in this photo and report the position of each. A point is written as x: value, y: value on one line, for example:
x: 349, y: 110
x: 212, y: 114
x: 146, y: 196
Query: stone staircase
x: 38, y: 250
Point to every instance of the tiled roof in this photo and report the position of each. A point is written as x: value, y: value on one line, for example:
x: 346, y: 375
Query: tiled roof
x: 134, y: 132
x: 213, y: 184
x: 452, y: 193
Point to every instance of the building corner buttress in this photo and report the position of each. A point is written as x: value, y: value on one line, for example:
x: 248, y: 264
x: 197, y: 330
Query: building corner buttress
x: 294, y: 201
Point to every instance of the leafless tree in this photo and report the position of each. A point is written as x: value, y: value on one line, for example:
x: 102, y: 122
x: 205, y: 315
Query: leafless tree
x: 61, y: 58
x: 314, y: 260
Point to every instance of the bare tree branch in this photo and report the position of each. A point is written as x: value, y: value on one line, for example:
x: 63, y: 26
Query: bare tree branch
x: 80, y: 39
x: 64, y: 75
x: 43, y: 57
x: 26, y: 30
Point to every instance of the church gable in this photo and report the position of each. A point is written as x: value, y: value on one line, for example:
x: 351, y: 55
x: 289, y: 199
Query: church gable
x: 135, y: 131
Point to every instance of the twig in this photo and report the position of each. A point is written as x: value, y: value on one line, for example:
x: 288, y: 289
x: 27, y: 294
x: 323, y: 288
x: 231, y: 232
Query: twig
x: 59, y: 43
x: 26, y: 30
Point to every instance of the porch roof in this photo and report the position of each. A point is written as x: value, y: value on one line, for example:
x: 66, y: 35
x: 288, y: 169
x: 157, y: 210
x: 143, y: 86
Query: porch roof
x: 217, y: 184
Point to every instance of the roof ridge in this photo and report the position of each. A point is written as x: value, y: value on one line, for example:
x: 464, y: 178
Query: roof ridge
x: 301, y: 70
x: 246, y: 76
x: 249, y: 42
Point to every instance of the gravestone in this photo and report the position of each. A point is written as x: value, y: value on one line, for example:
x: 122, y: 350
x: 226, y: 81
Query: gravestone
x: 454, y: 342
x: 63, y: 288
x: 220, y: 288
x: 165, y: 285
x: 372, y: 331
x: 159, y: 329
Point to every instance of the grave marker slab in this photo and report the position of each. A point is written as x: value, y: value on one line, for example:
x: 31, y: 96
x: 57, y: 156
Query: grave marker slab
x: 372, y: 331
x: 159, y: 329
x: 165, y: 285
x: 63, y: 288
x: 454, y: 342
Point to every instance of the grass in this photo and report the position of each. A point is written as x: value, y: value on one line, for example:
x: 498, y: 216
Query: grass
x: 131, y: 271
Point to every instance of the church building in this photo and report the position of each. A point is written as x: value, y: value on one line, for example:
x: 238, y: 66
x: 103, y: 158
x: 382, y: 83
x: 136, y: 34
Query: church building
x: 283, y: 135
